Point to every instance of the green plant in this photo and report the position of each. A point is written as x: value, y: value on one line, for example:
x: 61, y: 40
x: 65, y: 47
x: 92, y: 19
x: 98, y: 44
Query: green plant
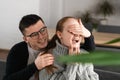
x: 95, y: 57
x: 105, y: 8
x: 88, y: 20
x: 113, y: 41
x: 86, y: 17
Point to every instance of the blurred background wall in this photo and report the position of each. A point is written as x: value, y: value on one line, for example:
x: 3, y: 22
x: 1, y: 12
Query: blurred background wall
x: 51, y: 11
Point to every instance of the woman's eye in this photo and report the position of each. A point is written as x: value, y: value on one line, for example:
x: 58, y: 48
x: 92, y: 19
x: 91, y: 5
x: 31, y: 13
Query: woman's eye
x: 70, y: 32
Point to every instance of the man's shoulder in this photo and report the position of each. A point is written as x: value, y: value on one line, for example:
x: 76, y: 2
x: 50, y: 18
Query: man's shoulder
x: 20, y: 45
x: 17, y: 51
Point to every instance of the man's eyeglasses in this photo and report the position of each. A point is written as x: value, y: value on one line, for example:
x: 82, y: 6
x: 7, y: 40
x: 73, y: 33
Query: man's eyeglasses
x: 35, y: 35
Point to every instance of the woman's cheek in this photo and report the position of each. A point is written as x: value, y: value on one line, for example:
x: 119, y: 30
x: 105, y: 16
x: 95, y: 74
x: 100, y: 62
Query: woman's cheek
x: 70, y: 42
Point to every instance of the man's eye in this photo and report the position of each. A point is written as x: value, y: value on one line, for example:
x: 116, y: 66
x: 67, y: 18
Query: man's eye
x: 42, y: 30
x: 34, y: 34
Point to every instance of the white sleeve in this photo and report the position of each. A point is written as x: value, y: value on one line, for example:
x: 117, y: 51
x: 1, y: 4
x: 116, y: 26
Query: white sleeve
x: 68, y: 74
x: 86, y: 72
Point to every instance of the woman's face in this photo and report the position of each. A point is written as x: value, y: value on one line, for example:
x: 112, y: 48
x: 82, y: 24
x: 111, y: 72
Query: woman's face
x: 70, y: 34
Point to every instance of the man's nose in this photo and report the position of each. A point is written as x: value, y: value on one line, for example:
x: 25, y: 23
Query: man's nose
x: 40, y: 35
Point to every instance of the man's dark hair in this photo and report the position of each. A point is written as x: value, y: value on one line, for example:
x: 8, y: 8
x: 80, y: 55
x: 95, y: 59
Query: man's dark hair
x: 28, y: 20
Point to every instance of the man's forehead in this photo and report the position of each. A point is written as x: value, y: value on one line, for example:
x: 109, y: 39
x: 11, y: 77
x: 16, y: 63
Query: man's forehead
x: 35, y: 27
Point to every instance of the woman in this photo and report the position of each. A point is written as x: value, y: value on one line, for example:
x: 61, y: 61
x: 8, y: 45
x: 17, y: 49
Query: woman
x: 69, y: 34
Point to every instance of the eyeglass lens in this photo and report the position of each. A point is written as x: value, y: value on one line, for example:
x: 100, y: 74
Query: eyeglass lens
x: 36, y: 34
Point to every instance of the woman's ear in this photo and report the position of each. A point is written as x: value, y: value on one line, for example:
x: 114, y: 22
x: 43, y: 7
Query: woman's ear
x: 59, y: 34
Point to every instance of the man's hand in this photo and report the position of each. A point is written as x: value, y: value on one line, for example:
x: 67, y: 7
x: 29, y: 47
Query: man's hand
x: 44, y: 60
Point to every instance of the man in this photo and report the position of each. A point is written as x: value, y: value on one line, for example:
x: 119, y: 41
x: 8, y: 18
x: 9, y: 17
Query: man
x: 25, y: 58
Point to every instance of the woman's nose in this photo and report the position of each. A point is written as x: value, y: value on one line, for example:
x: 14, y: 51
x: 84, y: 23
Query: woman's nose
x: 76, y: 35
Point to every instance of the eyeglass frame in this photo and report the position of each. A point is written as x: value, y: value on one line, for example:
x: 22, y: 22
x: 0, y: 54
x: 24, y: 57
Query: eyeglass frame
x: 36, y: 34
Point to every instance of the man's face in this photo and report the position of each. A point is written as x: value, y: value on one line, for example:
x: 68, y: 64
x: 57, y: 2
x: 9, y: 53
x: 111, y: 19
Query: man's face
x: 72, y: 37
x: 36, y: 36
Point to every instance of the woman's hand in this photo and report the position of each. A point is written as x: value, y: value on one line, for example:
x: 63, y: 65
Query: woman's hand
x: 84, y: 32
x: 81, y: 30
x: 74, y: 50
x: 74, y: 47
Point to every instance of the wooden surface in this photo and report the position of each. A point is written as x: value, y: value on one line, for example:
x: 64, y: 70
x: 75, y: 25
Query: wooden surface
x: 101, y: 38
x: 3, y: 54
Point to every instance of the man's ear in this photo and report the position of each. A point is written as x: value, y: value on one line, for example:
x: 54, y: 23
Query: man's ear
x: 25, y: 39
x: 59, y: 34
